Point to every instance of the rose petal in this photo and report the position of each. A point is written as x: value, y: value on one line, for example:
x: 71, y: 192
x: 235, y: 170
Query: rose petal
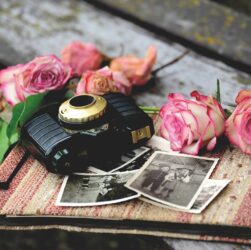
x: 200, y: 112
x: 242, y: 95
x: 192, y: 149
x: 163, y: 131
x: 174, y: 124
x: 245, y: 127
x: 209, y: 101
x: 217, y: 121
x: 9, y: 92
x: 105, y: 71
x: 122, y: 83
x: 150, y: 59
x: 211, y: 144
x: 176, y: 96
x: 7, y: 75
x: 81, y: 57
x: 191, y: 122
x: 137, y: 70
x: 230, y: 130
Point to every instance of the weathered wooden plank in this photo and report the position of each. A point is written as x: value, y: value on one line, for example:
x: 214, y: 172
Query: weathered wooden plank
x: 30, y: 28
x: 242, y: 6
x: 207, y: 27
x: 27, y: 31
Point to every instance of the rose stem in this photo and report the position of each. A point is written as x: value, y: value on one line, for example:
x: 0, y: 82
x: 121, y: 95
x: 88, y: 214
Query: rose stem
x: 178, y: 58
x: 150, y: 109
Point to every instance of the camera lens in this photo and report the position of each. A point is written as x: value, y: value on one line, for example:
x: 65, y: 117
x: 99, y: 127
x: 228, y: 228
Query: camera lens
x: 81, y: 109
x: 81, y: 101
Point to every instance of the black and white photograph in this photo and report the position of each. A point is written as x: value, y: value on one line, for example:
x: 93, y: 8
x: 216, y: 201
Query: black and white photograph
x: 135, y: 163
x: 210, y: 190
x: 156, y: 143
x: 172, y: 179
x: 134, y: 159
x: 95, y: 189
x: 116, y: 164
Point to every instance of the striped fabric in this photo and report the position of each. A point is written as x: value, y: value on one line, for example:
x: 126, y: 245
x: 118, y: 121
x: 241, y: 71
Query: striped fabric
x: 33, y: 192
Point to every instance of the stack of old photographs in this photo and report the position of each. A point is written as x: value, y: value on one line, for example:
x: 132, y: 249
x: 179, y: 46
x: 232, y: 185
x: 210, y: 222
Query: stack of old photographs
x: 102, y: 188
x: 177, y: 181
x: 153, y: 173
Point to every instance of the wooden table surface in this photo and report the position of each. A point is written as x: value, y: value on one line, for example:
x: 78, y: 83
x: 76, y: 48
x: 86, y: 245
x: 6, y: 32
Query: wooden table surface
x: 30, y: 28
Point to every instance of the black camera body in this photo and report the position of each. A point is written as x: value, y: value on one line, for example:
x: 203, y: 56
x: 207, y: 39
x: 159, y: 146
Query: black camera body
x: 86, y: 130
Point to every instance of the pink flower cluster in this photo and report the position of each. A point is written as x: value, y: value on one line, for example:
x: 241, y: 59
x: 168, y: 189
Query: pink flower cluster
x: 124, y: 72
x: 77, y: 60
x: 191, y: 124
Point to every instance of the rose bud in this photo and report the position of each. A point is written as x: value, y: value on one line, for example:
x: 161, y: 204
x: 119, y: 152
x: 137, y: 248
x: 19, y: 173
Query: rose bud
x: 137, y: 70
x: 37, y: 76
x: 190, y: 124
x: 81, y: 57
x: 103, y: 81
x: 238, y: 125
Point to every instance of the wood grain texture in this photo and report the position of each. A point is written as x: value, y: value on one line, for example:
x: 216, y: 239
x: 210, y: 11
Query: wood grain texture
x: 211, y: 28
x: 28, y: 31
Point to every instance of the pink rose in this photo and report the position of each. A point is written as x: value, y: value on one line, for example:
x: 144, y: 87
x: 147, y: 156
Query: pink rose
x: 137, y: 70
x: 192, y: 124
x: 238, y: 125
x: 39, y: 75
x: 103, y: 81
x: 81, y: 57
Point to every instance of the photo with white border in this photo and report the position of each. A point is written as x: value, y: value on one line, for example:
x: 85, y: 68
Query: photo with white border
x: 156, y: 143
x: 209, y: 192
x: 173, y: 179
x: 95, y: 189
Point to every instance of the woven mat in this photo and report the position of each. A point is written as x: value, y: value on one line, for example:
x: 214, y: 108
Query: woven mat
x: 33, y: 192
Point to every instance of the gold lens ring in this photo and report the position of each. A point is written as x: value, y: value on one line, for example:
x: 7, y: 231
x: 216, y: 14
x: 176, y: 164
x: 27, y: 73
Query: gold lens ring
x: 82, y: 108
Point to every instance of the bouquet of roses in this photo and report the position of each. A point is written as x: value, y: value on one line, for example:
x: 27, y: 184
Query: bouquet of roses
x: 189, y: 125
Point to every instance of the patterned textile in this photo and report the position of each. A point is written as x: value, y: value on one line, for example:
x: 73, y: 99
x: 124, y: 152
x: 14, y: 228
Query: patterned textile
x: 33, y: 192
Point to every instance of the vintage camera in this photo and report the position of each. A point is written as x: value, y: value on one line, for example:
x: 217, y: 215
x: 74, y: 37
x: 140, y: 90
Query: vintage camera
x: 86, y: 130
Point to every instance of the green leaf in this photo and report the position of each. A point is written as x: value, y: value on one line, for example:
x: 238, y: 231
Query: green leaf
x: 4, y: 140
x: 9, y: 133
x: 32, y: 105
x: 12, y: 127
x: 21, y: 113
x: 218, y: 95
